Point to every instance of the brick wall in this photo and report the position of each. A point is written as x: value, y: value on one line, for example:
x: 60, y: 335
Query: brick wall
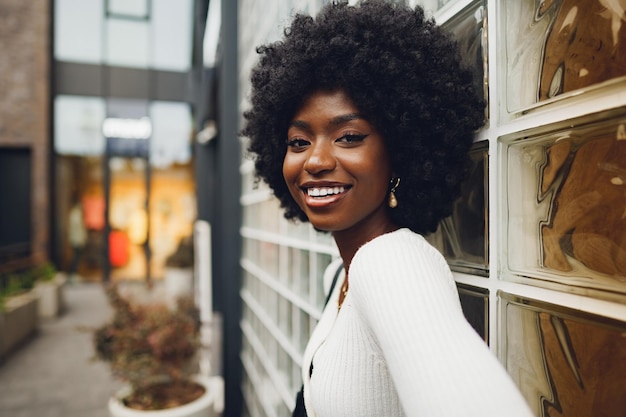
x: 25, y: 101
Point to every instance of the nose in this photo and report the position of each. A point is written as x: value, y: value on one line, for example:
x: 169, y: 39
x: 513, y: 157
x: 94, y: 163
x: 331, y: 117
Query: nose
x: 320, y: 157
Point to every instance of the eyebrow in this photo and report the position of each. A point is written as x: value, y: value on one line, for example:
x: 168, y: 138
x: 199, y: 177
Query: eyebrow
x: 335, y: 121
x: 344, y: 118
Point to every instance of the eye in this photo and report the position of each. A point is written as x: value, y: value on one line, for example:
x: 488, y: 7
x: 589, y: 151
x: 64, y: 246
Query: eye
x: 351, y: 138
x: 297, y: 143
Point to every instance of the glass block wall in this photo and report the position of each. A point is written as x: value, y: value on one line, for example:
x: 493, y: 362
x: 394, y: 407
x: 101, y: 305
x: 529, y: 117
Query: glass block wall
x: 537, y: 242
x: 282, y: 262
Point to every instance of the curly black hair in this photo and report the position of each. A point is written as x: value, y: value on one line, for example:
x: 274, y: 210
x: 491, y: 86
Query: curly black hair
x: 402, y: 72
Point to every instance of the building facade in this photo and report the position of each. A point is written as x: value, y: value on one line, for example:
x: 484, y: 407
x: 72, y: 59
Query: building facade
x: 24, y: 133
x: 123, y: 117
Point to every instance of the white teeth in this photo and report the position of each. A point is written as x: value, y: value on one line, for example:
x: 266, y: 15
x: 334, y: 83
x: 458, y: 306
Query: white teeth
x: 324, y: 191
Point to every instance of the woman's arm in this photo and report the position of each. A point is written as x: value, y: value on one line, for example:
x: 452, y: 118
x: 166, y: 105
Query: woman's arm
x: 405, y: 292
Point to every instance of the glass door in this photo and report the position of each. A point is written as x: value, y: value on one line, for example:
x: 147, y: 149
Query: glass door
x: 127, y: 131
x: 127, y: 215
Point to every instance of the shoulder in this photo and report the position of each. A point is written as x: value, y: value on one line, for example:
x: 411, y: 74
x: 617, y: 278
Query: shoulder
x: 400, y: 246
x: 400, y: 265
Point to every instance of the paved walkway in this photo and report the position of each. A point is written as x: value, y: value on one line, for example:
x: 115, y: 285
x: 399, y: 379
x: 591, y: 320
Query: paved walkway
x: 53, y: 375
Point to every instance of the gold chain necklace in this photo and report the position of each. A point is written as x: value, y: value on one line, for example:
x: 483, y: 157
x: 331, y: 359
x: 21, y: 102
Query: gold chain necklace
x: 343, y: 293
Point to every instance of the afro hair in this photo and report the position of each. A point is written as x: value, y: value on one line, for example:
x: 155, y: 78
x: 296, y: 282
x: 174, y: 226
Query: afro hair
x: 405, y: 75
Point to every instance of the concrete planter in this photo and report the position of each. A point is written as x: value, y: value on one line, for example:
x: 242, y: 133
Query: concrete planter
x: 18, y: 321
x: 202, y: 407
x: 51, y: 296
x: 178, y: 283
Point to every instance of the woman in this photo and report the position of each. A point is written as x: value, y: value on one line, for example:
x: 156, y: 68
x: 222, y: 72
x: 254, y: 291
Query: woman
x: 361, y: 121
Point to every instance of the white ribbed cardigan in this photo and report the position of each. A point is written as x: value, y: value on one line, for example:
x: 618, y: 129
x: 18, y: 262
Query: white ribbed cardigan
x: 400, y: 345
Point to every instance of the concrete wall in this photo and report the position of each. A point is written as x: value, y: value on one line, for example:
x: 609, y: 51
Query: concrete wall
x: 18, y: 321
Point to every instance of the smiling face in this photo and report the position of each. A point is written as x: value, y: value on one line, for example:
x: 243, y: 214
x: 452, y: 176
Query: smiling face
x: 337, y: 168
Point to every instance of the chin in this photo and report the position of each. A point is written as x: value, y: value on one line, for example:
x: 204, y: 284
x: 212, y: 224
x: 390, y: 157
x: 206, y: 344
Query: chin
x: 317, y: 229
x: 321, y: 226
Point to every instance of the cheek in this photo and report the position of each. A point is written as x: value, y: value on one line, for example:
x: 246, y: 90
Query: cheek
x: 290, y: 173
x: 382, y: 175
x: 374, y: 165
x: 380, y: 185
x: 288, y: 169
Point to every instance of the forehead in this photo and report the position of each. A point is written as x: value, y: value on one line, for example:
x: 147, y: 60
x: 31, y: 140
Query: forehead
x: 323, y: 102
x: 324, y: 109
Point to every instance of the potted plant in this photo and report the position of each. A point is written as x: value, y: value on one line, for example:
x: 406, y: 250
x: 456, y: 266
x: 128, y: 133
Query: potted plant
x: 49, y: 286
x: 152, y: 348
x: 179, y: 271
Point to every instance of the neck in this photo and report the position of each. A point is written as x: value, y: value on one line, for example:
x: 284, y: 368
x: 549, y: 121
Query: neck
x: 349, y: 241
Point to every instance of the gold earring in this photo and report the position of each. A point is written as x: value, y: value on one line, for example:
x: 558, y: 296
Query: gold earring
x: 393, y: 202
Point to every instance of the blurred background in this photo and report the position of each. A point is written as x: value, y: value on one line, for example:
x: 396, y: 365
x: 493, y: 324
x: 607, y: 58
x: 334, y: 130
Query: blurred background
x: 120, y: 160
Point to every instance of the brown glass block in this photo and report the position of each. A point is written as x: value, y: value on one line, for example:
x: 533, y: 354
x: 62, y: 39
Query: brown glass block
x: 566, y: 193
x: 463, y: 237
x: 567, y: 363
x: 469, y: 28
x: 557, y: 47
x: 475, y: 305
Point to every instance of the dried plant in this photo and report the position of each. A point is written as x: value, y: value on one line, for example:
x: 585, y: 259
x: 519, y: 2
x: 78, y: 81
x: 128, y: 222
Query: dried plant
x: 149, y: 345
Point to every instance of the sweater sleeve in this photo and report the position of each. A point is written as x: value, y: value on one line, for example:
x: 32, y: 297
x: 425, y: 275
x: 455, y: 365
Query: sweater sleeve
x: 406, y: 295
